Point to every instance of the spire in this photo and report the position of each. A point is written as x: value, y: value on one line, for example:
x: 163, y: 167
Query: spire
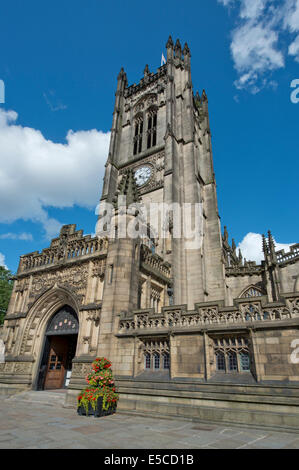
x: 270, y: 240
x: 121, y: 74
x: 225, y: 234
x: 169, y: 43
x: 146, y: 70
x: 265, y: 247
x: 271, y: 246
x: 240, y: 258
x: 204, y: 96
x: 178, y: 49
x: 186, y: 50
x: 128, y: 188
x: 233, y: 245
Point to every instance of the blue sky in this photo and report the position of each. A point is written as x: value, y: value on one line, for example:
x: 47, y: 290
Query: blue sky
x: 59, y: 62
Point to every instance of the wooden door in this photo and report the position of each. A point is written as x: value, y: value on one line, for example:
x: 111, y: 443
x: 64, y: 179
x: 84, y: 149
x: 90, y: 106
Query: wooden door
x: 56, y: 363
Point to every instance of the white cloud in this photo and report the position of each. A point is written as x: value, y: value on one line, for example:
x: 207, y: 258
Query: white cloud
x: 58, y: 106
x: 251, y: 247
x: 226, y: 2
x: 291, y: 22
x: 254, y: 52
x: 37, y: 173
x: 291, y: 16
x: 16, y: 236
x: 2, y: 260
x: 252, y: 8
x: 255, y: 45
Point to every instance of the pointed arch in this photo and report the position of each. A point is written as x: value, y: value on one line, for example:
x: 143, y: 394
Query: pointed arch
x: 252, y: 291
x: 40, y: 313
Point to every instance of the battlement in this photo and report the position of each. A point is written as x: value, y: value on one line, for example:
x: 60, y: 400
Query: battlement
x: 145, y: 81
x: 70, y: 245
x: 292, y: 255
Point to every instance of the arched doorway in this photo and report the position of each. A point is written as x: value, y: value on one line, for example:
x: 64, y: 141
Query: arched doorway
x: 59, y: 350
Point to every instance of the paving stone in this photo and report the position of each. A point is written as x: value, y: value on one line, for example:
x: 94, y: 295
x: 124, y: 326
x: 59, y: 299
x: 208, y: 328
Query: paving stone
x: 226, y: 444
x: 48, y: 428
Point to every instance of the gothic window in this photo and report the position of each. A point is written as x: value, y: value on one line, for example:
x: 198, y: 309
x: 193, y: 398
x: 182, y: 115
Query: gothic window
x: 138, y: 135
x: 65, y: 321
x: 151, y: 128
x: 155, y: 299
x: 232, y: 361
x: 232, y: 354
x: 156, y: 354
x: 166, y: 361
x: 244, y: 361
x: 220, y: 361
x: 156, y: 361
x: 147, y: 361
x: 252, y: 291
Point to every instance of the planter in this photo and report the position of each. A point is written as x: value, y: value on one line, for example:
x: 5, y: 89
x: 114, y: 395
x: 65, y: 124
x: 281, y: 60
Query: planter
x: 98, y: 411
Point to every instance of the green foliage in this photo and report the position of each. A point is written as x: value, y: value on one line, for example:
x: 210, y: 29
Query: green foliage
x: 101, y: 384
x: 6, y: 285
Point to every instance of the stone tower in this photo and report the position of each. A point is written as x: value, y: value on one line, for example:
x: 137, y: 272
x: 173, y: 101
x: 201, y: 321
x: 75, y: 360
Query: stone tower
x: 161, y: 132
x: 192, y: 330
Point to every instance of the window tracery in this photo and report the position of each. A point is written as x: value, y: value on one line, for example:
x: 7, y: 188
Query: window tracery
x: 155, y: 299
x: 65, y: 321
x: 156, y: 354
x: 252, y: 291
x: 138, y: 133
x: 232, y: 354
x: 151, y: 128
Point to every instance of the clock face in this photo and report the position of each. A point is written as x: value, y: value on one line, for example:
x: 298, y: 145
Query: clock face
x: 142, y: 175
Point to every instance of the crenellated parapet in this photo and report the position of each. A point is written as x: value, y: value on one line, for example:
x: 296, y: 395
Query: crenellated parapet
x: 70, y: 246
x: 153, y: 263
x: 249, y: 313
x: 149, y: 78
x: 249, y: 269
x: 291, y: 256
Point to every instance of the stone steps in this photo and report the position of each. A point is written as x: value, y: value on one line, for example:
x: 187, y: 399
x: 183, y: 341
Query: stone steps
x: 267, y: 406
x: 48, y: 398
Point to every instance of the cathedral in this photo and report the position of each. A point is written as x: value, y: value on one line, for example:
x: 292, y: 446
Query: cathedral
x: 192, y: 330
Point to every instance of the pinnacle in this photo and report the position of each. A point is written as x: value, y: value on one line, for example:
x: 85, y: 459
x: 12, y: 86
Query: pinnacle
x: 186, y: 50
x: 169, y: 42
x: 128, y: 188
x: 178, y: 44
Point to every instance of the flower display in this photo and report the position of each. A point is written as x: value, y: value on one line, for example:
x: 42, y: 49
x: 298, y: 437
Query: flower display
x: 100, y: 385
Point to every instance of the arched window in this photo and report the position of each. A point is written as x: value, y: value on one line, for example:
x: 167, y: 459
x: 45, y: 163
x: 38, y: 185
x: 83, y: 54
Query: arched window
x: 166, y: 361
x: 65, y: 321
x: 156, y: 361
x: 147, y: 361
x: 244, y: 361
x: 232, y: 353
x: 232, y: 361
x: 252, y: 291
x: 152, y: 128
x: 138, y: 135
x: 220, y: 360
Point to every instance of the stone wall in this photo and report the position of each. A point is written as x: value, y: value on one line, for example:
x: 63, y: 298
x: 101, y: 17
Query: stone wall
x: 275, y: 355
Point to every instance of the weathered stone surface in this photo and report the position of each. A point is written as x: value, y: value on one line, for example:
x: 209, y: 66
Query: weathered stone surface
x: 151, y: 304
